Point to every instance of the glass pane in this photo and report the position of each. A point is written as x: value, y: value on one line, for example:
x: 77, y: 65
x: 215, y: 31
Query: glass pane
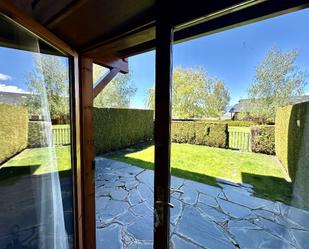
x: 36, y: 197
x: 240, y: 137
x: 123, y: 127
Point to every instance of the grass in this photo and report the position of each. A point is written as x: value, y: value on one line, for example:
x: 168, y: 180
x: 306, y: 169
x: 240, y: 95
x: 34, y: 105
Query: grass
x: 204, y: 164
x: 42, y: 160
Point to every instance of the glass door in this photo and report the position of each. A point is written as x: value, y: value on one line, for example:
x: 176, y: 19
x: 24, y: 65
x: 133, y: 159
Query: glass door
x: 36, y: 187
x: 239, y: 153
x: 124, y: 185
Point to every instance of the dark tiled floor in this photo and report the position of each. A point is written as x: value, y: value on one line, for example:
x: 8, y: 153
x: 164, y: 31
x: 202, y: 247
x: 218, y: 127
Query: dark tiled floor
x: 24, y: 219
x: 204, y: 216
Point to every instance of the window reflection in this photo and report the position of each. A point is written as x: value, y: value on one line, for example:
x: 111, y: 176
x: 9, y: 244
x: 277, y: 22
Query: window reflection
x: 36, y: 208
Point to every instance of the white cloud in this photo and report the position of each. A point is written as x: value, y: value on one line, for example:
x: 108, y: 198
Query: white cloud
x: 5, y: 77
x: 11, y: 89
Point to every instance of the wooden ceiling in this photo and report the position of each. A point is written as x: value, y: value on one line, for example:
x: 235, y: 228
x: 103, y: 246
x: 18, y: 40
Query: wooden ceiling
x: 122, y: 28
x: 84, y: 23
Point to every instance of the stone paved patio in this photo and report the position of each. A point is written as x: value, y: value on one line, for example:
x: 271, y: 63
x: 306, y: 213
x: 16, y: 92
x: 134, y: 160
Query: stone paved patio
x: 204, y: 216
x: 20, y: 207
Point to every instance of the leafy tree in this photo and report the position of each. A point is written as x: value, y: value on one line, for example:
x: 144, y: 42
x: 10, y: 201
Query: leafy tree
x: 117, y: 94
x: 277, y: 79
x: 195, y: 94
x: 49, y: 78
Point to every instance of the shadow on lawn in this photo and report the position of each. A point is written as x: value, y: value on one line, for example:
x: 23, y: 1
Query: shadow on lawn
x: 267, y: 187
x: 7, y: 173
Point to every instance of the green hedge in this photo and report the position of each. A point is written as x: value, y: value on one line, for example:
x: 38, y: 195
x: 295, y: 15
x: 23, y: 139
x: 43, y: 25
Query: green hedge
x: 239, y: 123
x: 37, y: 133
x: 291, y: 131
x: 263, y: 139
x: 228, y: 122
x: 119, y: 128
x: 13, y: 130
x: 200, y: 132
x: 292, y: 148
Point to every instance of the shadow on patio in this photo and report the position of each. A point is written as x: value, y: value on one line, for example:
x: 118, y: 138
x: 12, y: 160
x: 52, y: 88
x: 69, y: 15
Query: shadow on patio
x: 23, y: 197
x: 213, y: 214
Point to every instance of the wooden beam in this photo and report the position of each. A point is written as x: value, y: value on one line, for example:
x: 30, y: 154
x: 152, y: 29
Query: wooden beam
x: 236, y: 17
x: 127, y: 40
x: 7, y: 8
x: 87, y: 152
x: 162, y: 131
x: 103, y: 82
x: 111, y: 61
x: 194, y: 20
x: 64, y: 13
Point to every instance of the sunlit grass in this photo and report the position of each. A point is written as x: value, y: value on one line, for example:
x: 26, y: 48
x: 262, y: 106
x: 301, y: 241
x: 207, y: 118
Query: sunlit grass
x: 204, y: 164
x: 42, y: 160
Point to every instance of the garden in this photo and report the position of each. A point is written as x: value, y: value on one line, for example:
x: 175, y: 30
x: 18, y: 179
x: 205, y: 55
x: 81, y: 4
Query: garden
x: 24, y: 144
x: 204, y: 164
x: 201, y: 150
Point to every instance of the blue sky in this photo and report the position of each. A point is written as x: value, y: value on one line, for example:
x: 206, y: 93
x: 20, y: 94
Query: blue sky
x: 230, y: 55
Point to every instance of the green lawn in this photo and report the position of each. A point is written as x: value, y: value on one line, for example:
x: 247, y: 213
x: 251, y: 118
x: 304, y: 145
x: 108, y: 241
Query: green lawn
x: 36, y: 158
x: 203, y: 164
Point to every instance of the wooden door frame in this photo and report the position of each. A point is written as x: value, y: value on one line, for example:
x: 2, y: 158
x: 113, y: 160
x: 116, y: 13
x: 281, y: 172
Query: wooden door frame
x: 162, y: 128
x: 87, y: 177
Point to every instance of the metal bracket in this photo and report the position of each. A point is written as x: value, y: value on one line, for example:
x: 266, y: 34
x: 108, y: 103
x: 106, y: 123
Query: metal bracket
x: 176, y: 190
x: 158, y: 212
x: 165, y: 203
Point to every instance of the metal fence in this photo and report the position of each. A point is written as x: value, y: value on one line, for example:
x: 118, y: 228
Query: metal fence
x: 61, y: 136
x: 239, y: 140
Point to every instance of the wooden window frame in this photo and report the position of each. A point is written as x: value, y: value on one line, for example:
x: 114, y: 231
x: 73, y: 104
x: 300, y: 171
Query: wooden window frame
x: 83, y: 223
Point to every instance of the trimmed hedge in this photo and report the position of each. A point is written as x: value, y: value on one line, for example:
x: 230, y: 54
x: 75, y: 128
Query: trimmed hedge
x: 13, y: 130
x: 239, y: 123
x: 292, y: 148
x: 37, y: 133
x: 263, y: 139
x: 242, y: 123
x: 291, y: 132
x: 119, y: 128
x: 200, y: 132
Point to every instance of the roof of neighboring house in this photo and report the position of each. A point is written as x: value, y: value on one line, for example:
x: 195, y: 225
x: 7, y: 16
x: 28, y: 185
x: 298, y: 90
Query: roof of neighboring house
x: 13, y: 98
x: 226, y: 116
x: 242, y: 105
x: 299, y: 99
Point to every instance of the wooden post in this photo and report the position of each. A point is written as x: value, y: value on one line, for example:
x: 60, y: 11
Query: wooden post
x: 164, y: 40
x: 87, y: 152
